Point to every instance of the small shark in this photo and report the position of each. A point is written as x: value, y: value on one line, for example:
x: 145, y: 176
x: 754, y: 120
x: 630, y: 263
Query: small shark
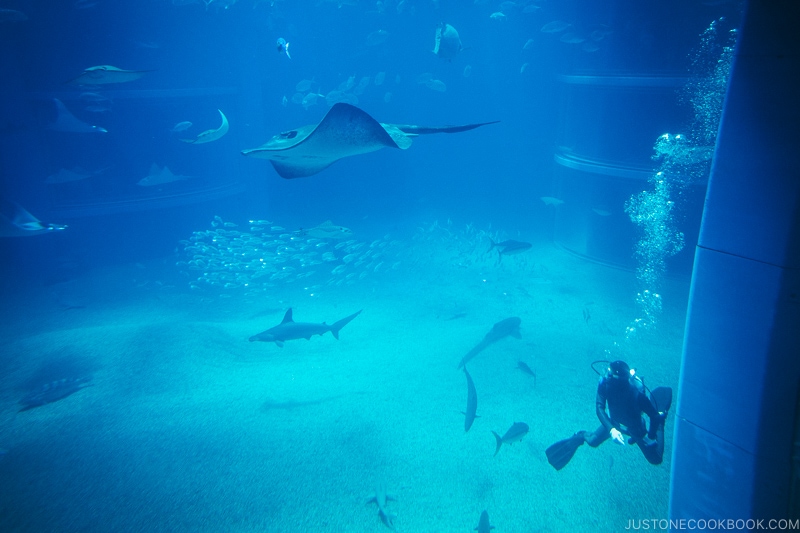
x: 210, y: 135
x: 472, y: 402
x: 514, y: 434
x: 327, y: 230
x: 483, y: 523
x: 510, y: 247
x: 504, y: 328
x: 380, y: 497
x: 288, y: 329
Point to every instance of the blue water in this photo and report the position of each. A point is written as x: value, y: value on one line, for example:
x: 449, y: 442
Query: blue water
x: 151, y: 293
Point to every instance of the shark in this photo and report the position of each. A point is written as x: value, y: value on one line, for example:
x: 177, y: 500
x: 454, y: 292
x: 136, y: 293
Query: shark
x: 472, y: 402
x: 289, y: 330
x: 483, y: 523
x: 510, y: 247
x: 501, y: 330
x: 105, y: 74
x: 380, y: 497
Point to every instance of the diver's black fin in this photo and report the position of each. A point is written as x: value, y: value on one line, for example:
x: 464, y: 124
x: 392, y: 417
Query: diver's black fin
x: 560, y: 453
x: 661, y: 398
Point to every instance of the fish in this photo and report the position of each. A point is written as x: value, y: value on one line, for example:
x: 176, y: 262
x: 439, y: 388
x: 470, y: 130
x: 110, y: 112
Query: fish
x: 15, y: 221
x: 498, y: 15
x: 528, y: 44
x: 53, y: 391
x: 556, y: 26
x: 472, y: 402
x: 514, y: 434
x: 549, y: 200
x: 380, y: 497
x: 77, y: 174
x: 344, y: 131
x: 327, y: 230
x: 181, y: 126
x: 105, y: 74
x: 447, y: 42
x: 12, y: 15
x: 377, y: 37
x: 283, y: 46
x: 483, y: 523
x: 379, y: 77
x: 288, y: 329
x: 467, y: 71
x: 160, y: 176
x: 504, y: 328
x: 67, y: 122
x: 211, y: 135
x: 510, y: 247
x: 523, y: 366
x: 436, y: 85
x: 572, y: 38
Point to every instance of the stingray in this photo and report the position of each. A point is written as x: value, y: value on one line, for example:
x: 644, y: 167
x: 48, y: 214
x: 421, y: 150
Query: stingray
x: 208, y: 135
x: 66, y: 121
x: 15, y: 221
x: 105, y: 74
x: 160, y: 176
x: 346, y: 130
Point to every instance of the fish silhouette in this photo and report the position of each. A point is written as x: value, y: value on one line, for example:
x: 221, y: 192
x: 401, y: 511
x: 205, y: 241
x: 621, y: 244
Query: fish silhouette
x: 53, y: 391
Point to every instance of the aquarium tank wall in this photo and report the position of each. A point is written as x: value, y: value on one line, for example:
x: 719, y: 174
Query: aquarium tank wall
x: 412, y: 265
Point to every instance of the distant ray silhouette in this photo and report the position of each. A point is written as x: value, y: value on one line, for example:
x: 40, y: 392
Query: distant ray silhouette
x: 66, y: 121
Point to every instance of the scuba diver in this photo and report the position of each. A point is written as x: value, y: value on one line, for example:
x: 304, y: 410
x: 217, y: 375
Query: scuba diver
x: 626, y: 398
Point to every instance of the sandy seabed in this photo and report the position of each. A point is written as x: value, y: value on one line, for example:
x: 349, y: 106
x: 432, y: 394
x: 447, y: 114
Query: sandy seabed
x: 189, y: 427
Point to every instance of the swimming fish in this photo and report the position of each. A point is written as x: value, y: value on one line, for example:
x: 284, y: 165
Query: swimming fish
x: 181, y: 126
x: 53, y: 391
x: 327, y: 230
x: 472, y: 402
x: 447, y: 44
x: 483, y: 523
x: 510, y: 247
x: 514, y: 434
x: 288, y: 329
x: 283, y: 46
x: 105, y: 74
x: 501, y: 330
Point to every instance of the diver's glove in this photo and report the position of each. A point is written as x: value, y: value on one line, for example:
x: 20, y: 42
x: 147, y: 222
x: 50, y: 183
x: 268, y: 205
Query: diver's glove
x: 617, y: 436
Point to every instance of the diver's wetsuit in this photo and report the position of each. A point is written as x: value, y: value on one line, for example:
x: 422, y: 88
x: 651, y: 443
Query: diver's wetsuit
x: 627, y: 401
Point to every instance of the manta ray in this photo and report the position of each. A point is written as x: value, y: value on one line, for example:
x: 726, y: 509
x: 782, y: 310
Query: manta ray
x: 67, y: 122
x: 105, y: 74
x: 15, y: 221
x: 208, y: 135
x: 346, y: 130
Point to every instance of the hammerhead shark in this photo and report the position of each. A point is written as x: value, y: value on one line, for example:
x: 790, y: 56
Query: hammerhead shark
x: 504, y: 328
x: 380, y: 497
x: 288, y: 329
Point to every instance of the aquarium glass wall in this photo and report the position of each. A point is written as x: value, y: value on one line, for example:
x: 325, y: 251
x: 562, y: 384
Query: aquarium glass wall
x: 326, y: 266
